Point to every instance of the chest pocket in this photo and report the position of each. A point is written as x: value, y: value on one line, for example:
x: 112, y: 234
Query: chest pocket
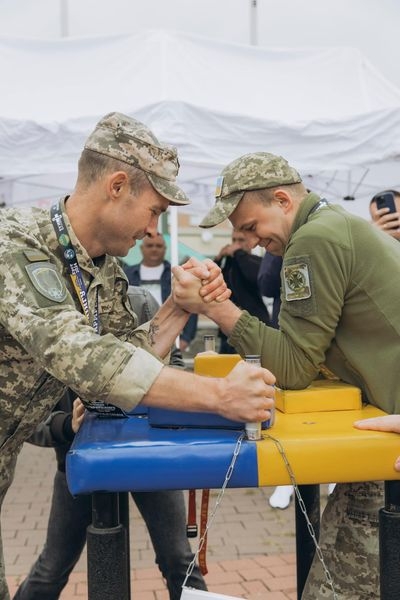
x: 116, y: 317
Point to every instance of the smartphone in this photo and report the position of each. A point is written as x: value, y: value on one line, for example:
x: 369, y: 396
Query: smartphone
x: 386, y: 200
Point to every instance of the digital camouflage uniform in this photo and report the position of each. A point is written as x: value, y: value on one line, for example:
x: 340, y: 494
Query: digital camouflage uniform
x: 340, y: 311
x: 46, y: 342
x: 164, y: 512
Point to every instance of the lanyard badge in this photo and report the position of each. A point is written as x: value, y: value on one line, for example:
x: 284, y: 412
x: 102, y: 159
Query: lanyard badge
x: 70, y: 259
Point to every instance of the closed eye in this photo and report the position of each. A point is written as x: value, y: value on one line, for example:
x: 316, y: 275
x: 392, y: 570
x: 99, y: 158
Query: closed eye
x: 156, y: 212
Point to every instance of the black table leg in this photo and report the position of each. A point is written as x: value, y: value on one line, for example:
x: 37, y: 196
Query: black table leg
x: 108, y: 576
x: 305, y: 547
x: 389, y: 542
x: 124, y: 519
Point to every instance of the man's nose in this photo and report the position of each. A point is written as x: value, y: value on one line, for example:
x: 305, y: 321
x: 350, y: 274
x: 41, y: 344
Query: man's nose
x: 151, y: 229
x: 252, y: 241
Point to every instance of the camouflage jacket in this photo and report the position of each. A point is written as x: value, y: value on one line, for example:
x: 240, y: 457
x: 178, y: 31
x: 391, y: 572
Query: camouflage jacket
x: 46, y: 342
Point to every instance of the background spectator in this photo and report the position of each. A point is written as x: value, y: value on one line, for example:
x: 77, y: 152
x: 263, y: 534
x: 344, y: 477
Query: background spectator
x: 240, y: 270
x: 385, y: 220
x: 154, y: 273
x: 269, y: 283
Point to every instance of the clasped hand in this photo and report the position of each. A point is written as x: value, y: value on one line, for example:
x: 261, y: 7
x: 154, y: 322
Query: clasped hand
x: 198, y: 282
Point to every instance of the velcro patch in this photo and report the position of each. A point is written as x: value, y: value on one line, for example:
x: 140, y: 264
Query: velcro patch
x: 47, y: 280
x: 35, y: 255
x: 297, y: 282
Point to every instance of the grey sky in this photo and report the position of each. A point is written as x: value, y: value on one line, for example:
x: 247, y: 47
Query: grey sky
x: 370, y: 25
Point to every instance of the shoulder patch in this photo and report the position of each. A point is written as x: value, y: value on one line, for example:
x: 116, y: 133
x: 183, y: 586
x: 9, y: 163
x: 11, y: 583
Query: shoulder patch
x: 35, y: 255
x: 47, y: 280
x: 296, y: 280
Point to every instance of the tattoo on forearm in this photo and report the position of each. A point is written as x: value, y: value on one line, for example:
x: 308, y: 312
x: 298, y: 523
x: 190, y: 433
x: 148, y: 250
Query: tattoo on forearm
x: 153, y: 330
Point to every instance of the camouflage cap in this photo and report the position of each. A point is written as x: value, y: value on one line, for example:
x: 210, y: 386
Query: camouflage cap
x: 126, y: 139
x: 249, y: 172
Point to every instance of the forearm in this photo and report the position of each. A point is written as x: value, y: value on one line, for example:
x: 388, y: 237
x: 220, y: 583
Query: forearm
x: 245, y: 394
x: 224, y: 314
x: 165, y: 327
x: 190, y: 392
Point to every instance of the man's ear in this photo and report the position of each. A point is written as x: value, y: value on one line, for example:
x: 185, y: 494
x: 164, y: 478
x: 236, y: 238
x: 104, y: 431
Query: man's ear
x: 284, y: 200
x: 117, y: 181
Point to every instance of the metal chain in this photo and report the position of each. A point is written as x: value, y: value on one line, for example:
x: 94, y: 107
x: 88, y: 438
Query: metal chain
x: 303, y: 508
x: 217, y: 503
x: 310, y: 527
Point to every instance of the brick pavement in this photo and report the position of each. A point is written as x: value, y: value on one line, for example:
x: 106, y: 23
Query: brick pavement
x: 250, y: 545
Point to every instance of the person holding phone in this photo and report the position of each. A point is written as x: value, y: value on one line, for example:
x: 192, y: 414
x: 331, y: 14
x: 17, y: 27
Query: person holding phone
x: 384, y: 209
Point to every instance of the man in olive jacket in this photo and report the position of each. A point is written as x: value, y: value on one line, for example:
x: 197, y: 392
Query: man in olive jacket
x: 339, y: 317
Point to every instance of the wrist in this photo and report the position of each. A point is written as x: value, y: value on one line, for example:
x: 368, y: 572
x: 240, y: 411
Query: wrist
x: 214, y: 394
x: 222, y: 313
x: 174, y: 308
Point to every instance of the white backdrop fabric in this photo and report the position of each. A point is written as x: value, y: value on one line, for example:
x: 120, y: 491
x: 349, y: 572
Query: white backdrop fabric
x: 327, y: 110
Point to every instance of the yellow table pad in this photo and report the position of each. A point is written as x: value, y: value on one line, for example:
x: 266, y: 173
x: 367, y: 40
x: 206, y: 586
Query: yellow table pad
x: 324, y: 447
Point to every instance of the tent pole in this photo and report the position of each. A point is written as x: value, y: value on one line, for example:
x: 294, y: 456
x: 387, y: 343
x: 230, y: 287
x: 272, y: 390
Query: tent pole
x: 173, y: 231
x: 173, y: 236
x: 64, y: 18
x: 253, y: 22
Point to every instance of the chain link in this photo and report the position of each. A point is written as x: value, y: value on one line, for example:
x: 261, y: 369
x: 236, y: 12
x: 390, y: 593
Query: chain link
x: 217, y: 503
x: 303, y: 509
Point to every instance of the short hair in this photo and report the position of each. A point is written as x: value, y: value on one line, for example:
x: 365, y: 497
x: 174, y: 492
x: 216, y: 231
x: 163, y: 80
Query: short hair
x: 92, y: 166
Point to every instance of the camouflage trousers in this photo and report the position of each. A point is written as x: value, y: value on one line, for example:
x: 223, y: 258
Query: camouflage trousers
x: 349, y: 541
x: 7, y: 468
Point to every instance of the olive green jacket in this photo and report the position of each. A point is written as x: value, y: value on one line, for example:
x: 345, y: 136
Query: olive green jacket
x: 340, y: 307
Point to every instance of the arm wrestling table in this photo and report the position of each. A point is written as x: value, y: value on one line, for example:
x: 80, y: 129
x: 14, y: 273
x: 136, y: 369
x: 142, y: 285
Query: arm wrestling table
x: 110, y: 457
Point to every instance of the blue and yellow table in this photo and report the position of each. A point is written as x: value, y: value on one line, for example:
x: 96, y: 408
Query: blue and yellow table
x: 111, y: 457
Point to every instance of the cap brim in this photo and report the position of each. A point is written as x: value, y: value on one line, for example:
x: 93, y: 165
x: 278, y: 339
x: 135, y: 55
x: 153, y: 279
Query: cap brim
x: 222, y: 210
x: 169, y: 190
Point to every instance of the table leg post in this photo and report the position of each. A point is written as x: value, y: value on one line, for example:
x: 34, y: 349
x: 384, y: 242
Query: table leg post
x: 305, y: 548
x: 389, y: 542
x: 124, y: 519
x: 106, y: 550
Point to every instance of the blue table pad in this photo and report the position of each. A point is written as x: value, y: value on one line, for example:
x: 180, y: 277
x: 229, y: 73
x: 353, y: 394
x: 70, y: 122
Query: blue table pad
x: 124, y: 454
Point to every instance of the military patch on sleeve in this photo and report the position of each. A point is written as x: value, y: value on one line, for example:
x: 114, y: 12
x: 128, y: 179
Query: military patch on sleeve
x: 297, y: 282
x: 47, y: 280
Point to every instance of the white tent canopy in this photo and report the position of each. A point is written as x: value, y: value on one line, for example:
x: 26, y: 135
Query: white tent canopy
x: 327, y: 110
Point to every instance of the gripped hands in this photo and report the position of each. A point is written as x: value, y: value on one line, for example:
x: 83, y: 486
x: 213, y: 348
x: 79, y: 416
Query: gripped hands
x: 248, y: 393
